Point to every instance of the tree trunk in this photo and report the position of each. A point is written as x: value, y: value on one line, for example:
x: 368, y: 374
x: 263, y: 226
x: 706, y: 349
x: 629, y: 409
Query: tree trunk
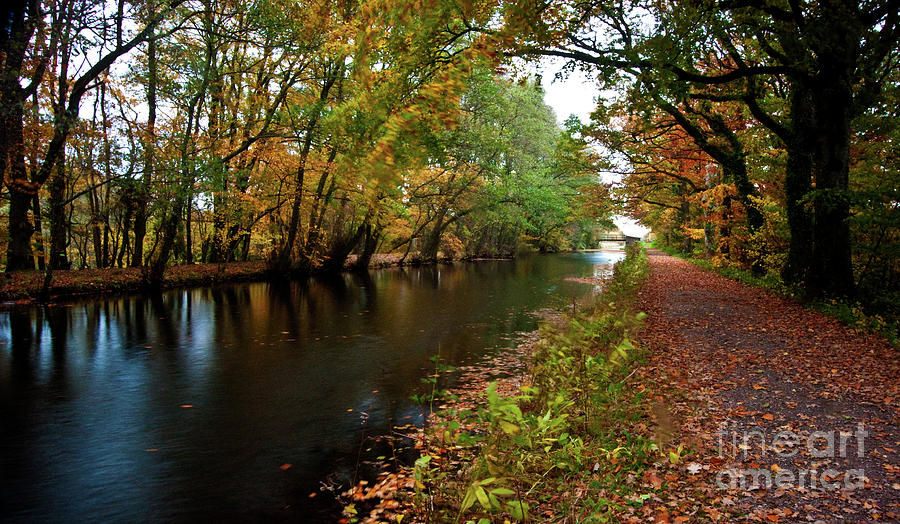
x: 140, y: 226
x: 168, y: 233
x: 687, y: 244
x: 219, y: 238
x: 797, y: 184
x: 316, y: 217
x: 95, y: 229
x: 188, y: 229
x: 432, y: 241
x: 59, y: 228
x: 16, y: 29
x: 18, y: 254
x: 142, y: 188
x: 736, y: 170
x: 340, y: 249
x: 39, y: 240
x: 126, y: 229
x: 21, y: 193
x: 294, y: 224
x: 831, y: 270
x: 369, y: 243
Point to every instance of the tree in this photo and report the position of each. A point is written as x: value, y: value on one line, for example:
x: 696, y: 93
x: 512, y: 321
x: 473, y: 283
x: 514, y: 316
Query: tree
x: 19, y: 42
x: 829, y: 58
x: 506, y: 172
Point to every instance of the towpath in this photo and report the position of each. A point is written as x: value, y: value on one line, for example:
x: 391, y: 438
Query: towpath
x: 785, y: 414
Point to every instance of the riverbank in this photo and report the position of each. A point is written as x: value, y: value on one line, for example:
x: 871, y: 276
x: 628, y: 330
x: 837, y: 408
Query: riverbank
x: 527, y: 435
x: 29, y: 286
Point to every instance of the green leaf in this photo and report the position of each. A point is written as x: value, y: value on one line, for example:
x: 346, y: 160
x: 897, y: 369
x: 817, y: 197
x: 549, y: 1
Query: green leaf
x: 517, y: 509
x: 492, y: 395
x: 482, y: 497
x: 509, y: 427
x: 513, y: 410
x: 469, y: 499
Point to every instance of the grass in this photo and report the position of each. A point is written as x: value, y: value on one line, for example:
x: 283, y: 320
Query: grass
x: 563, y: 445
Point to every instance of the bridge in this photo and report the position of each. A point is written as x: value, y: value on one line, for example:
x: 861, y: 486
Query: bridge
x: 611, y: 236
x: 614, y: 235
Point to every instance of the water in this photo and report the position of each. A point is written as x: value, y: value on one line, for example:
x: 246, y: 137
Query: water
x: 189, y: 405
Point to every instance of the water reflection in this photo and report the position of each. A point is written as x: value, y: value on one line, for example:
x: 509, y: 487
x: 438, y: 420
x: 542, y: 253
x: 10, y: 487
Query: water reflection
x: 184, y: 405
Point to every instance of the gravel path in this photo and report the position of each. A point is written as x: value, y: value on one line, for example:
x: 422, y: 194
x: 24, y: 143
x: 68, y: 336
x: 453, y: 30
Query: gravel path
x: 789, y: 415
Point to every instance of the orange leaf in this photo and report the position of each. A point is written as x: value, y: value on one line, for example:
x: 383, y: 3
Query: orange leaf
x: 768, y: 416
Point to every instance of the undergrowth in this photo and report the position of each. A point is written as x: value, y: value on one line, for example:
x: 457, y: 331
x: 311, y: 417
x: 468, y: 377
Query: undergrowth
x: 562, y: 446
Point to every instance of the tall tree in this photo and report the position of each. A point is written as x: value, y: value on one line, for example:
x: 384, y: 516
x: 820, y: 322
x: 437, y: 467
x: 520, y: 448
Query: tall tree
x: 832, y: 56
x: 114, y: 42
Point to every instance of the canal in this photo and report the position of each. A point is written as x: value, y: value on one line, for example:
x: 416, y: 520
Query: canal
x: 238, y: 402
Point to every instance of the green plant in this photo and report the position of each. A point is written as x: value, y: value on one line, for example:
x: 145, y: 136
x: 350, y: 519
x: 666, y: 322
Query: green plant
x: 434, y: 393
x: 568, y: 425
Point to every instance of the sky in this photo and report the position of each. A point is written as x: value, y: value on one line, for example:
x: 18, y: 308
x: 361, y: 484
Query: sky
x: 577, y: 95
x: 574, y: 95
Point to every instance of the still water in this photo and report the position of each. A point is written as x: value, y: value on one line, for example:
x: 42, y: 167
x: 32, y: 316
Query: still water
x: 190, y: 405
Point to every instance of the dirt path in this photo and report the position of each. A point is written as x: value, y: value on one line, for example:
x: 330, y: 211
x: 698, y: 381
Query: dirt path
x: 792, y: 416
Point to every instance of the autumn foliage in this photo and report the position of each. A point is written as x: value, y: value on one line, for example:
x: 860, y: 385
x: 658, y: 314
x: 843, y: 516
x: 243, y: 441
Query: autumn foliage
x: 217, y: 131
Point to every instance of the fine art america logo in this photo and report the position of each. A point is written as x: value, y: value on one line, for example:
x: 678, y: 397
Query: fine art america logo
x: 822, y: 448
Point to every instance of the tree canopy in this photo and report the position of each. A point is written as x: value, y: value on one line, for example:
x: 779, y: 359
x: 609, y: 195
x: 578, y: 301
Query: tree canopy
x: 152, y: 133
x: 774, y: 95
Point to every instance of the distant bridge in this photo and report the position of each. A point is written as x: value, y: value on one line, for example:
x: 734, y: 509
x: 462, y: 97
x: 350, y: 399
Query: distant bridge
x: 612, y: 237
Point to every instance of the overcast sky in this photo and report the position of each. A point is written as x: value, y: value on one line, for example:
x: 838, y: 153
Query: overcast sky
x: 577, y: 95
x: 574, y: 95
